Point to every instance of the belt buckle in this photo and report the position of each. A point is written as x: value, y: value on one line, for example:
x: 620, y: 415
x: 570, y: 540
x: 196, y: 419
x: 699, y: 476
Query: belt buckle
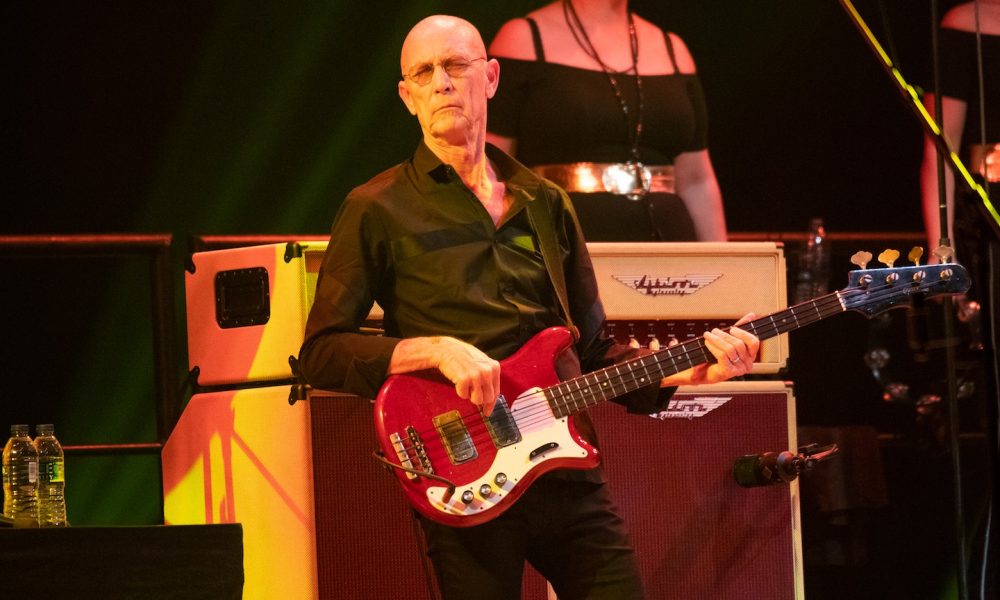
x: 631, y: 179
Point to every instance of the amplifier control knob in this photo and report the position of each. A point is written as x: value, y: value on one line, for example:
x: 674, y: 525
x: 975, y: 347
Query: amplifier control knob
x: 633, y: 343
x: 654, y: 344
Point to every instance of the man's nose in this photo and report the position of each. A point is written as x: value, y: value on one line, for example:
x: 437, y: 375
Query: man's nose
x: 440, y: 78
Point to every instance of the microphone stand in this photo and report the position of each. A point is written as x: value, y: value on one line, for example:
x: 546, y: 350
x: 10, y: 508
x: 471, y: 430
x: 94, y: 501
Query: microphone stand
x: 933, y: 130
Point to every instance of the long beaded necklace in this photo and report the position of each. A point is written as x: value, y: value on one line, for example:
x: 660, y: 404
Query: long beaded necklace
x: 580, y: 35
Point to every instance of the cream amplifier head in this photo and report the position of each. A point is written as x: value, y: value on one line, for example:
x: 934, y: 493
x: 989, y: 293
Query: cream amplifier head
x: 655, y: 291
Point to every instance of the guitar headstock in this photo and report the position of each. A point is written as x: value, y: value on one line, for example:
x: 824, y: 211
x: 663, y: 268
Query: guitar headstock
x: 872, y: 291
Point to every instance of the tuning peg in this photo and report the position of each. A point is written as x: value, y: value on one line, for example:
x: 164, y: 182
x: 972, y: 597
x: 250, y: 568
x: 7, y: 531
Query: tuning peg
x: 915, y: 254
x: 888, y: 257
x: 944, y: 253
x: 861, y: 259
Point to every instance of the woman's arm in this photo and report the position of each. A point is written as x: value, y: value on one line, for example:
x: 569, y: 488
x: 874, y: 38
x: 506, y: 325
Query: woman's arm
x: 695, y: 179
x: 952, y: 121
x: 697, y: 186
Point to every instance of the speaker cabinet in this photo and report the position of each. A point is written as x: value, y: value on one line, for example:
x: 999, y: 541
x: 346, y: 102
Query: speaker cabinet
x: 697, y: 533
x: 247, y: 309
x: 322, y: 519
x: 368, y: 544
x: 244, y: 456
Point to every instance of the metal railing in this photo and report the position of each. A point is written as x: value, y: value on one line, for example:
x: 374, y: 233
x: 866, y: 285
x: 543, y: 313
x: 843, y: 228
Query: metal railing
x: 157, y: 248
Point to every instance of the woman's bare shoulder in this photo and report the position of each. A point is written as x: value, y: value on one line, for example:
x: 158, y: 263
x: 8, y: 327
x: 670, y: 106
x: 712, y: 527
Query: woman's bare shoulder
x: 685, y: 62
x: 513, y: 40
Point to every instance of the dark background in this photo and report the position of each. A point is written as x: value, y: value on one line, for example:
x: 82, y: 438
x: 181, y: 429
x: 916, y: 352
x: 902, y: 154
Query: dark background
x: 251, y: 117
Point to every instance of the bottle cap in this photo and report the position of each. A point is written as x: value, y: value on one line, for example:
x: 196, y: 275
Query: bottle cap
x: 45, y: 429
x: 19, y: 429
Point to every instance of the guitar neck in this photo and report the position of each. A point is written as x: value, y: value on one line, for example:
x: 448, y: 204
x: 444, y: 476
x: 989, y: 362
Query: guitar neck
x: 577, y: 394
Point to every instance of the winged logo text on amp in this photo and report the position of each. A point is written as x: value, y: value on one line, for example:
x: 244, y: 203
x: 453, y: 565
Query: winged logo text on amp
x: 667, y: 286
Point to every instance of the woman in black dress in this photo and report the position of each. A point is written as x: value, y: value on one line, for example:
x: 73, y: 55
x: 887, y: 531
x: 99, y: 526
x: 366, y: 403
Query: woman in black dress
x: 609, y: 106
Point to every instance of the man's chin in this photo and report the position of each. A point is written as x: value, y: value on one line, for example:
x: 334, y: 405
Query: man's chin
x: 450, y: 131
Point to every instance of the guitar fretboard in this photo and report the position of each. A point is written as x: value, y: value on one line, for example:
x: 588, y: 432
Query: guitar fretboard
x: 579, y: 393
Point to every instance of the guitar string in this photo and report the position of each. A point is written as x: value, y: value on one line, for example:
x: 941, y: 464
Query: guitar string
x: 768, y: 326
x: 813, y: 310
x: 480, y: 432
x: 562, y: 391
x: 527, y: 414
x: 543, y: 411
x: 686, y: 354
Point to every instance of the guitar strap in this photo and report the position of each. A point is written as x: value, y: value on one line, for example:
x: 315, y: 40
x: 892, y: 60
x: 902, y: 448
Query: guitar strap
x: 541, y: 221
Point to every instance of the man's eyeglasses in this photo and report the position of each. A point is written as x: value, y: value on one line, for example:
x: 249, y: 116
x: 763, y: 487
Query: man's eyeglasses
x: 455, y: 66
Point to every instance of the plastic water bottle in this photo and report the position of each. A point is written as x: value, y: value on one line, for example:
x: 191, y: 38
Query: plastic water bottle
x: 813, y: 277
x: 51, y: 478
x: 20, y: 478
x: 5, y: 471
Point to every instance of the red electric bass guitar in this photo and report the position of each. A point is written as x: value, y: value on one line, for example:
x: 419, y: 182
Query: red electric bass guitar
x: 461, y: 468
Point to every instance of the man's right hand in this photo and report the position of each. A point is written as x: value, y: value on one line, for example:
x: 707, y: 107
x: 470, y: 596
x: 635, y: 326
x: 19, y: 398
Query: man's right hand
x: 475, y: 375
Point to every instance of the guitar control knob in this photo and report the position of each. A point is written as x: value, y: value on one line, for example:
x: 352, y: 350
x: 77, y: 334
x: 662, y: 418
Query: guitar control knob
x: 500, y: 479
x: 486, y: 490
x: 468, y: 497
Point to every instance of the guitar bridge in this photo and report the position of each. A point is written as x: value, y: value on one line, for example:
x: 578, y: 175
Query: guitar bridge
x: 411, y: 453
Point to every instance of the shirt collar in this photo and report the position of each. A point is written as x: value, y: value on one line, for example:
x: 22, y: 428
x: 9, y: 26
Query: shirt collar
x: 427, y: 163
x: 519, y: 179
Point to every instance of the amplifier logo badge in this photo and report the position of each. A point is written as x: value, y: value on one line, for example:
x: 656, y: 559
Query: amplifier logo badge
x: 689, y: 409
x: 667, y: 286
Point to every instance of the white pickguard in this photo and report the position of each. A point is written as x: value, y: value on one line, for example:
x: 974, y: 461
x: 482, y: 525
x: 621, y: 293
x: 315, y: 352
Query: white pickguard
x: 538, y: 430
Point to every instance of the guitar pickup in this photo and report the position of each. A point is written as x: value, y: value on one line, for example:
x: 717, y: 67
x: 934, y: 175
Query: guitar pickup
x: 455, y: 437
x: 503, y: 428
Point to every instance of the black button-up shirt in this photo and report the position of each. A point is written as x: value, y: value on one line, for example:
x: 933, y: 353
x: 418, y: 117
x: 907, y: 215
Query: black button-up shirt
x: 416, y: 240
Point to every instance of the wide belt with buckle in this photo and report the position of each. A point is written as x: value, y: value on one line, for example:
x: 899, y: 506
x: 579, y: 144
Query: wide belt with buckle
x: 631, y: 179
x: 985, y: 160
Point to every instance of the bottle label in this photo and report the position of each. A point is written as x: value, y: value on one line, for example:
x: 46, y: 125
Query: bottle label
x: 33, y: 471
x: 52, y: 472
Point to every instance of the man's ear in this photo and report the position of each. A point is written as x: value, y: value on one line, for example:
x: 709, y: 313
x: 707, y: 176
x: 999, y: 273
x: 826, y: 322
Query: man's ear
x: 404, y: 95
x: 492, y: 77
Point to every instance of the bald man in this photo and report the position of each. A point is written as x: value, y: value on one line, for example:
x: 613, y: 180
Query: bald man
x: 445, y: 242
